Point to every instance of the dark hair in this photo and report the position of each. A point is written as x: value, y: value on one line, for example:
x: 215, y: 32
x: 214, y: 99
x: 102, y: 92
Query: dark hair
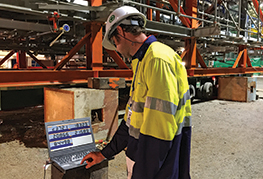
x: 133, y: 29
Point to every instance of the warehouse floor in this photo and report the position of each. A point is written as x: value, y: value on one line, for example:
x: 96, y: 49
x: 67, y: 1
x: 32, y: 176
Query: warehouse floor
x: 226, y: 142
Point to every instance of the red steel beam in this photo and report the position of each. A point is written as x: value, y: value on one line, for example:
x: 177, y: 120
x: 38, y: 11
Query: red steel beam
x: 184, y: 53
x: 94, y: 57
x: 184, y: 20
x: 238, y: 58
x: 223, y: 71
x: 245, y: 61
x: 190, y: 56
x: 18, y: 78
x: 96, y: 46
x: 95, y: 2
x: 200, y: 59
x: 72, y: 52
x: 242, y: 59
x: 159, y: 5
x: 187, y: 56
x: 117, y: 59
x: 116, y: 73
x: 7, y: 57
x: 248, y: 61
x: 88, y: 49
x: 255, y: 2
x: 258, y: 48
x: 21, y: 59
x: 191, y: 10
x: 11, y: 78
x: 96, y: 41
x: 149, y: 12
x: 38, y: 61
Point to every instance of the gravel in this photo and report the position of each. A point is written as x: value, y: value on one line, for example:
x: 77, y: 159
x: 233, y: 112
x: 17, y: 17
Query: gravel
x: 226, y: 144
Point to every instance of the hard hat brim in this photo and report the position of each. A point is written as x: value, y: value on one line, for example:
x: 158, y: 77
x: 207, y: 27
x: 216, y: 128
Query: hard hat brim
x: 107, y: 44
x: 106, y: 41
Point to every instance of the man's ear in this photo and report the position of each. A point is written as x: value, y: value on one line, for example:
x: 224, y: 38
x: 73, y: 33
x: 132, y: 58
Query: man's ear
x: 120, y: 30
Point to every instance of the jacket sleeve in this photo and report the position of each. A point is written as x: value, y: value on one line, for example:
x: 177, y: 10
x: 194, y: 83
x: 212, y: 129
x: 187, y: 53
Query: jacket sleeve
x: 159, y: 120
x: 118, y: 142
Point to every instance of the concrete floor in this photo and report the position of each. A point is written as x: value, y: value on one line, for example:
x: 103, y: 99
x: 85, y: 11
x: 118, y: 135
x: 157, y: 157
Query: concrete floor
x: 226, y: 140
x: 226, y: 143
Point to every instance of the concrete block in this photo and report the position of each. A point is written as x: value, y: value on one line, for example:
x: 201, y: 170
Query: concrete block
x: 72, y: 103
x: 86, y: 100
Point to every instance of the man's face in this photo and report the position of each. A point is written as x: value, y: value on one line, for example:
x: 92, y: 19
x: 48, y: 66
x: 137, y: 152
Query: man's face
x: 122, y: 45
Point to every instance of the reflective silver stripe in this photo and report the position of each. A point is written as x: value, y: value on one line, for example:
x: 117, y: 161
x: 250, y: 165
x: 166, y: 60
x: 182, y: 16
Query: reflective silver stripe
x: 134, y: 132
x: 138, y: 106
x: 187, y: 122
x: 184, y: 99
x: 160, y: 105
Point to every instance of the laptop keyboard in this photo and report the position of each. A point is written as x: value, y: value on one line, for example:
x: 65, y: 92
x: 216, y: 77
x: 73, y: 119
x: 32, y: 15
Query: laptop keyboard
x: 71, y: 158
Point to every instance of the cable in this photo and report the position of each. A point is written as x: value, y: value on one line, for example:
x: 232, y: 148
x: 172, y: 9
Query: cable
x: 44, y: 172
x: 130, y: 40
x: 48, y: 162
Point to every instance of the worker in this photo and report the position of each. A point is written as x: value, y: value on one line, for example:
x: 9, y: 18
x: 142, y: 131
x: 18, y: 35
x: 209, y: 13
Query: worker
x: 156, y: 130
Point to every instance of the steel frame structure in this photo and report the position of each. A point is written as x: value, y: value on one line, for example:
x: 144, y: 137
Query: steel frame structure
x: 190, y: 23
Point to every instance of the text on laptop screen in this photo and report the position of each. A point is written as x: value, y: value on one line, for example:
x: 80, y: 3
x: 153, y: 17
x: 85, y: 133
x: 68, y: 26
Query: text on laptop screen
x: 63, y: 136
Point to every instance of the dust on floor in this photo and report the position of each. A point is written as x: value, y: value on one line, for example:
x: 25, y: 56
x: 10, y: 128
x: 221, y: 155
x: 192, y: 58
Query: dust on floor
x: 226, y: 142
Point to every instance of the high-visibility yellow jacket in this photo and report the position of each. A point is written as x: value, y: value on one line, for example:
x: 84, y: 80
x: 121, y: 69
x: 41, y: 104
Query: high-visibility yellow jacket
x: 157, y: 125
x: 159, y: 96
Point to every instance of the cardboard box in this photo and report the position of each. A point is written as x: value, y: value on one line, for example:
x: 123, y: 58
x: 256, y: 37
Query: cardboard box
x: 241, y: 89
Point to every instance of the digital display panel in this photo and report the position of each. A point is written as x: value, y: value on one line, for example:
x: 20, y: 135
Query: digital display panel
x: 69, y: 135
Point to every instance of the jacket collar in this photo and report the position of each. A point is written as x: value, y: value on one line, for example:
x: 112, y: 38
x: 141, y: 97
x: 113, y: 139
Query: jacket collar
x: 142, y: 50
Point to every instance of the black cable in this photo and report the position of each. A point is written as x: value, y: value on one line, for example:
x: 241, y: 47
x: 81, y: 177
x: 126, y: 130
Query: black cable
x: 130, y: 40
x: 45, y: 169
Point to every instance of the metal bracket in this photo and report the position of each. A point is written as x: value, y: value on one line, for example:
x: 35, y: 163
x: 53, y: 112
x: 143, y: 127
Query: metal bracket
x: 207, y: 31
x: 70, y: 7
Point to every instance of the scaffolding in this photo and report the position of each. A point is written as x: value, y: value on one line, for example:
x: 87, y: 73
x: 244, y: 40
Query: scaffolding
x: 201, y: 31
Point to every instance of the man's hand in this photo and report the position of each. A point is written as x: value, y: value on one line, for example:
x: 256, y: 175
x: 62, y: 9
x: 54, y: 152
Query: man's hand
x: 92, y: 158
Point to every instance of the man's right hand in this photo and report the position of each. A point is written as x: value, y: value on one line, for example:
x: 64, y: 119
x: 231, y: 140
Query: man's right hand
x: 92, y: 158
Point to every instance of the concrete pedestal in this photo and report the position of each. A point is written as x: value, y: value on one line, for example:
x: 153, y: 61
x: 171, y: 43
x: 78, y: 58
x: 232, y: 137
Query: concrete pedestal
x: 72, y: 103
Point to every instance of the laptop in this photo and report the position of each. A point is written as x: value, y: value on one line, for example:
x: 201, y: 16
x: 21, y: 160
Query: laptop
x: 69, y: 141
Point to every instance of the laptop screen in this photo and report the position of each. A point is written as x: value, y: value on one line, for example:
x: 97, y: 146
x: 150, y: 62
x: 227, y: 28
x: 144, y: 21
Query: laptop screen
x: 68, y: 133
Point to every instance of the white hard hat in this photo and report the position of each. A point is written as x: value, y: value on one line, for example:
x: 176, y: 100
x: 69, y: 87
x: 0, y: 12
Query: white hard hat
x: 117, y: 17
